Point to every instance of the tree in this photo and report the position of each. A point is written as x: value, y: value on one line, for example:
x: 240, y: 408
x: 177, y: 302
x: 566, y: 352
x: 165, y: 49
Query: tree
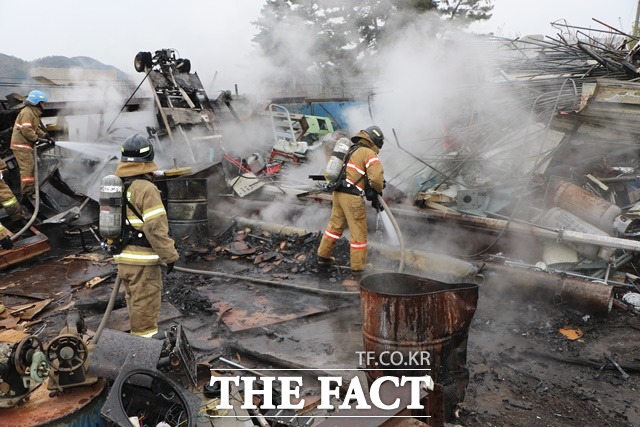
x: 467, y: 10
x: 334, y: 38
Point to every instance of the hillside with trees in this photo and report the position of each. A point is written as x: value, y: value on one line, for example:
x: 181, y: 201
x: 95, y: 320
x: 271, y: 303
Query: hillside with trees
x: 15, y: 73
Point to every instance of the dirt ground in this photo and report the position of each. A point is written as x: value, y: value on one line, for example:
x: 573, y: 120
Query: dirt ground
x: 514, y: 354
x: 517, y: 378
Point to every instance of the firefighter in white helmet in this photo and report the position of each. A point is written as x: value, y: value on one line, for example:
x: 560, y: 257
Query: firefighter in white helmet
x: 363, y: 176
x: 139, y: 262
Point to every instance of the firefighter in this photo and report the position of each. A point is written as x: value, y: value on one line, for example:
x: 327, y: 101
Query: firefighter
x: 27, y: 131
x: 363, y: 176
x: 7, y: 199
x: 139, y: 261
x: 5, y: 239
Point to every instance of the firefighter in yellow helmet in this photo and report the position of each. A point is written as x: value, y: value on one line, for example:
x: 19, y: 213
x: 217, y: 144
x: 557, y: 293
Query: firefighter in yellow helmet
x: 363, y: 175
x: 139, y: 262
x: 26, y: 133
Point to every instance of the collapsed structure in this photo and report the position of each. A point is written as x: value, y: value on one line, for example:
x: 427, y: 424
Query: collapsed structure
x: 546, y: 210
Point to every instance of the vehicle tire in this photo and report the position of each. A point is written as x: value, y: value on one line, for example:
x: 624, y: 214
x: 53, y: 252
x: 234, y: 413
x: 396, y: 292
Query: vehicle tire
x: 183, y: 65
x: 142, y: 61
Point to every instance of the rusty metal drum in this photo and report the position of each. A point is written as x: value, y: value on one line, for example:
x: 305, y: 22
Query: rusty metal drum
x: 187, y: 206
x: 412, y: 324
x: 585, y: 205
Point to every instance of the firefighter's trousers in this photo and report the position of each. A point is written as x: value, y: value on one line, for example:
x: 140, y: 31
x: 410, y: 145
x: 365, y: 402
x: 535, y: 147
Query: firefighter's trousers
x: 27, y: 166
x: 347, y: 210
x: 9, y: 202
x: 143, y: 284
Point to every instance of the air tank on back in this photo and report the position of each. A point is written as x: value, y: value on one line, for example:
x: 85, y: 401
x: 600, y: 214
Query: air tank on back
x: 336, y: 161
x: 110, y: 219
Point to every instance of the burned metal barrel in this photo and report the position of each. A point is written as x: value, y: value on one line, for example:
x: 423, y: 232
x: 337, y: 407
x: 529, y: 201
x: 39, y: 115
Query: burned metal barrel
x: 411, y: 323
x: 186, y: 200
x: 586, y: 205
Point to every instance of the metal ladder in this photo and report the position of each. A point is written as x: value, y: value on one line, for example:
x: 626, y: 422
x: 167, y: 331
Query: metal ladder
x: 283, y: 128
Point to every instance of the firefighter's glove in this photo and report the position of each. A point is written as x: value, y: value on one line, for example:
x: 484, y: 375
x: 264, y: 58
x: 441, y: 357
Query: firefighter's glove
x: 169, y: 267
x: 370, y: 194
x: 376, y: 204
x: 45, y: 144
x: 6, y: 243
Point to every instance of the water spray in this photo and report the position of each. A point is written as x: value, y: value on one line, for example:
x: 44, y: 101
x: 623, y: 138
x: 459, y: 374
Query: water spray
x: 387, y: 216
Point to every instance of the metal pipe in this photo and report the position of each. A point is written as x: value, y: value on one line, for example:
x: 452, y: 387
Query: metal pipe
x: 622, y: 260
x: 627, y: 178
x: 607, y: 241
x: 239, y: 366
x: 593, y: 297
x: 543, y: 232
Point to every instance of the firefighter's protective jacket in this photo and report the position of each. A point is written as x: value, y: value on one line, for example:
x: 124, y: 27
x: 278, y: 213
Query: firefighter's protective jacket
x: 26, y: 129
x: 364, y: 161
x: 3, y: 232
x: 144, y: 196
x: 7, y: 199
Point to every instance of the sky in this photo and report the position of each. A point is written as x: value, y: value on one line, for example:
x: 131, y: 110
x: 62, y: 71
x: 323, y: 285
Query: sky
x: 513, y: 18
x: 216, y: 35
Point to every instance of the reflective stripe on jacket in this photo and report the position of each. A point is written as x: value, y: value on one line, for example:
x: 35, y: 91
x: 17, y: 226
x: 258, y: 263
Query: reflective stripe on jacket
x: 364, y: 160
x: 145, y: 198
x: 26, y: 129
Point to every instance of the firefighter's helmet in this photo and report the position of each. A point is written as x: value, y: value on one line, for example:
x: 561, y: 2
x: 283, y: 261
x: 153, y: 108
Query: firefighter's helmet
x: 137, y: 148
x: 37, y: 96
x: 376, y: 135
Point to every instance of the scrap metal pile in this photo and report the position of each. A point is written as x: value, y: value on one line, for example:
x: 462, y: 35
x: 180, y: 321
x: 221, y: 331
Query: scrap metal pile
x: 554, y: 163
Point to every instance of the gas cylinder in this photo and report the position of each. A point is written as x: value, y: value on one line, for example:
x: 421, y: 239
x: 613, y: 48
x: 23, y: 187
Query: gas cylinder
x: 559, y: 218
x: 586, y: 205
x: 111, y: 207
x: 336, y: 161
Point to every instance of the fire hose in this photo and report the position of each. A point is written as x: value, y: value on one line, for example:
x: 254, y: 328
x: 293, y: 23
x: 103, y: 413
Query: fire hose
x: 116, y: 289
x: 273, y: 283
x: 266, y: 282
x: 107, y: 312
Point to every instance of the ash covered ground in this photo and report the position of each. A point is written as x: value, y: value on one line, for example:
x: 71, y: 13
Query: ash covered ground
x: 523, y: 371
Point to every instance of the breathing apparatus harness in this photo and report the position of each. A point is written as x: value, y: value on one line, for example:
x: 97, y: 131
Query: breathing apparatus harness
x: 128, y: 234
x: 342, y: 186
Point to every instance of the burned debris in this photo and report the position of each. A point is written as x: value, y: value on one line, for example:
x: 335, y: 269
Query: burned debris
x: 566, y: 183
x: 545, y: 213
